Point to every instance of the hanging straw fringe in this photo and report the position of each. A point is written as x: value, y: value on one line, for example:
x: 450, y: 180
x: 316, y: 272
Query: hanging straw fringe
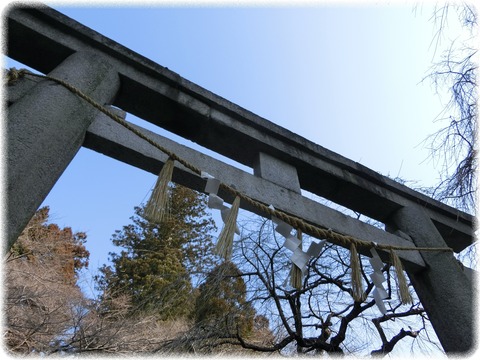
x: 357, y: 286
x: 296, y: 272
x: 157, y: 207
x: 403, y: 292
x: 296, y: 277
x: 225, y: 240
x: 318, y: 232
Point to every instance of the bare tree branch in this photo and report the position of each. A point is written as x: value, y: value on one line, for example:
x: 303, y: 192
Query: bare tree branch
x: 453, y: 146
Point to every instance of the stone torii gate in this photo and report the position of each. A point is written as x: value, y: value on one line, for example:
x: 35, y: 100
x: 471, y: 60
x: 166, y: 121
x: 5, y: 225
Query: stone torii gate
x: 47, y: 124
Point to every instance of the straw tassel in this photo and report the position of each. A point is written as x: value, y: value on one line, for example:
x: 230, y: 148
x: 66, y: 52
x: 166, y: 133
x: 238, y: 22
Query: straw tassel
x: 157, y: 207
x: 403, y: 292
x: 296, y: 272
x: 357, y: 286
x: 225, y: 240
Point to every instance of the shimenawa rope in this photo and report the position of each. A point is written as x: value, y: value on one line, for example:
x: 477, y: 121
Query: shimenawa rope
x: 13, y: 75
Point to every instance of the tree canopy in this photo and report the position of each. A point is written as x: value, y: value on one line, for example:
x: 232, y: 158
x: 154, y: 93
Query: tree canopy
x: 42, y: 295
x: 222, y: 302
x: 156, y: 262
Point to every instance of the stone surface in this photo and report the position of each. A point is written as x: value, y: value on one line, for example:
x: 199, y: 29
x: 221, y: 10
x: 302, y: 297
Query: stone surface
x: 156, y: 94
x: 277, y: 171
x: 444, y: 288
x: 107, y: 137
x: 45, y: 128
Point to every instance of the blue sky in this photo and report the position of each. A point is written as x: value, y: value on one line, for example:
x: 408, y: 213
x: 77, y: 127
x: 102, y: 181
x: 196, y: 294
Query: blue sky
x: 346, y: 77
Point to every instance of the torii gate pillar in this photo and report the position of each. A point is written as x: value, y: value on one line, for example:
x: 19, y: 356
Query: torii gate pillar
x: 46, y: 127
x: 444, y: 288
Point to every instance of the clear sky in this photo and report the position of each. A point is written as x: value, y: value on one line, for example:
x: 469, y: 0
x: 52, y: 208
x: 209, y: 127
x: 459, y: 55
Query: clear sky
x: 346, y: 77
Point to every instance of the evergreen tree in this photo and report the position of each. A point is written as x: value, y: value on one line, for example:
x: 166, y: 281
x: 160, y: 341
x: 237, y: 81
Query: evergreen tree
x: 155, y: 265
x: 222, y: 302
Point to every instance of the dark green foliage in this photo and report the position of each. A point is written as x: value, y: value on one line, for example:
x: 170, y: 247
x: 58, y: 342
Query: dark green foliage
x: 156, y: 262
x: 222, y: 302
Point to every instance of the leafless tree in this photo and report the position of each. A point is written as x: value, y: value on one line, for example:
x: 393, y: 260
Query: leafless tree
x: 453, y: 146
x: 321, y: 316
x: 44, y: 315
x: 40, y: 276
x: 46, y: 312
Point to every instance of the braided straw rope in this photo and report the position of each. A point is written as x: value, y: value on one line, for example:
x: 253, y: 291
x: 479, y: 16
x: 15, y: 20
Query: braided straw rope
x: 345, y: 240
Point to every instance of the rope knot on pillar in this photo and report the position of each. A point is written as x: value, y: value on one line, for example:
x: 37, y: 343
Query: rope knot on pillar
x: 13, y: 75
